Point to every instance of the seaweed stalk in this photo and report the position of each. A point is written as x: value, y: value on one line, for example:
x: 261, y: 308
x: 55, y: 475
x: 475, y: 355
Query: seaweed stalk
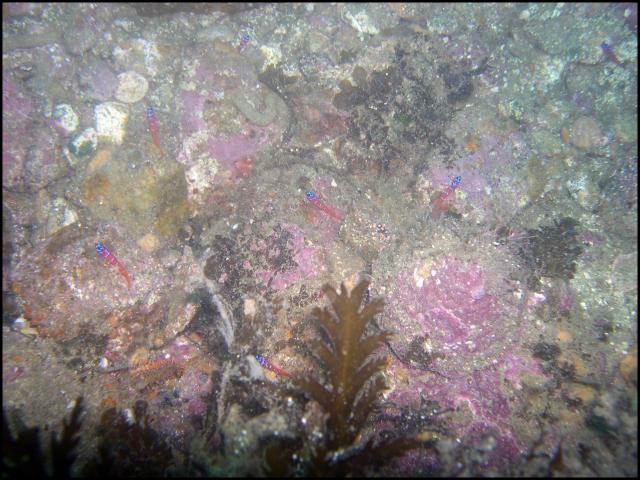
x: 63, y: 451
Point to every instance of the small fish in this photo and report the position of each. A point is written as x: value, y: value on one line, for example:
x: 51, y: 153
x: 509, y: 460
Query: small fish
x: 269, y: 366
x: 332, y: 212
x: 437, y: 205
x: 608, y: 53
x: 113, y: 261
x: 243, y: 43
x: 153, y: 127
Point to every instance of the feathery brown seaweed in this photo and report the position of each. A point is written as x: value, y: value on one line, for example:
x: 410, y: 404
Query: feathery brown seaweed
x: 354, y: 383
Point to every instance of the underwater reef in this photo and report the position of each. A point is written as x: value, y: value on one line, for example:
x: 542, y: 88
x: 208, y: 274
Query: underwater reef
x: 343, y: 239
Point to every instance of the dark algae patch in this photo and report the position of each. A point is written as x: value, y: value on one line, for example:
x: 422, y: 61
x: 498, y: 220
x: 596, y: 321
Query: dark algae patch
x: 550, y: 251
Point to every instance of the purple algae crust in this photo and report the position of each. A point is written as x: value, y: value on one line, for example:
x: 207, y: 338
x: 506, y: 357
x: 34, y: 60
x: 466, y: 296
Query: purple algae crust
x: 472, y: 338
x: 452, y: 307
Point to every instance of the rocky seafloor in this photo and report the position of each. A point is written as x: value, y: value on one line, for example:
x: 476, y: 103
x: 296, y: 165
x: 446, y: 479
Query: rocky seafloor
x: 477, y: 164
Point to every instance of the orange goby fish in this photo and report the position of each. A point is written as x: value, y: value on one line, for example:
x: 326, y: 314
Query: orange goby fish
x: 269, y: 366
x: 103, y: 252
x: 153, y: 127
x: 446, y: 193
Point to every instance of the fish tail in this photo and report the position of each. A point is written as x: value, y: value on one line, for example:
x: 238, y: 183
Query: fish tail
x: 125, y: 274
x: 281, y: 372
x: 153, y: 127
x: 331, y: 212
x: 436, y: 210
x: 156, y: 139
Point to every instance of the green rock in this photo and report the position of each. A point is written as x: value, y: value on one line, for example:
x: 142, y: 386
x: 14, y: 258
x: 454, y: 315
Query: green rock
x: 151, y: 198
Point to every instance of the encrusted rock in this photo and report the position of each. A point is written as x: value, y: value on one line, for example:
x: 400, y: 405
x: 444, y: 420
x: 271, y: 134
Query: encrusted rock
x: 65, y: 119
x: 60, y: 215
x: 148, y: 243
x: 629, y: 367
x: 85, y: 143
x: 364, y: 230
x: 81, y: 38
x: 132, y: 87
x: 585, y: 134
x: 111, y: 121
x: 259, y: 105
x: 199, y: 176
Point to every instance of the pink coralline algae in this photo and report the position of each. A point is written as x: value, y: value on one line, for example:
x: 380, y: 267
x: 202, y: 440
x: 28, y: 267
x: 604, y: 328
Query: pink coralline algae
x: 16, y: 111
x: 97, y: 80
x: 470, y: 352
x: 226, y: 118
x: 488, y: 189
x: 452, y: 307
x: 566, y: 299
x: 305, y: 258
x: 232, y: 149
x: 16, y: 106
x: 192, y: 120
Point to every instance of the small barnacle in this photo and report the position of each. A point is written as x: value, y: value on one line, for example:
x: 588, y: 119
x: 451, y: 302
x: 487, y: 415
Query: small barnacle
x: 566, y: 370
x: 225, y: 262
x: 129, y: 416
x: 420, y: 353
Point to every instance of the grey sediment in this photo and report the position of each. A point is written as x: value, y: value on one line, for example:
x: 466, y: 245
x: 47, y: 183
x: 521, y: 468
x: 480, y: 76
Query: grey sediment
x: 273, y: 106
x: 29, y: 41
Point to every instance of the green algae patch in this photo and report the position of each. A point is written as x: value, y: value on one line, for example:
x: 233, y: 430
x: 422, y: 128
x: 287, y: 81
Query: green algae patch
x: 150, y: 198
x: 542, y: 174
x: 261, y: 106
x: 170, y: 220
x: 536, y: 178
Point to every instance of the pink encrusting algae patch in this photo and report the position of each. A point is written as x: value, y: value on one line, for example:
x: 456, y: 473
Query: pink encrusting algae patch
x: 472, y: 337
x: 229, y: 150
x: 305, y: 257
